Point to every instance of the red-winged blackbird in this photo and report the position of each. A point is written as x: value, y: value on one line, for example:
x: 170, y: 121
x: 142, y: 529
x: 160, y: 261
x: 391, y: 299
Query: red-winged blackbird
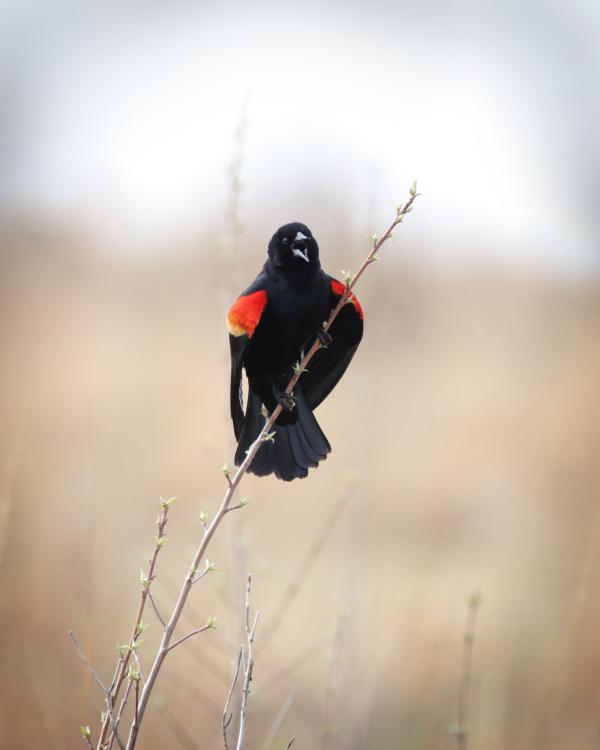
x: 271, y: 323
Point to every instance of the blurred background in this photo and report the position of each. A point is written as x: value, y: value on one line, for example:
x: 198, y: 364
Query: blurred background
x: 149, y: 150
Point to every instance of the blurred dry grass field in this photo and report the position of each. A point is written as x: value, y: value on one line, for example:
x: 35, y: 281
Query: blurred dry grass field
x: 465, y: 454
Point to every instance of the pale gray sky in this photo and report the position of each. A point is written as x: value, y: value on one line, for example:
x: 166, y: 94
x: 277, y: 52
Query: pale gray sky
x: 124, y: 111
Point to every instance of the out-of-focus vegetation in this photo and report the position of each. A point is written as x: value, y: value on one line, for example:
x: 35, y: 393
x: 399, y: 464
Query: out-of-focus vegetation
x: 465, y: 441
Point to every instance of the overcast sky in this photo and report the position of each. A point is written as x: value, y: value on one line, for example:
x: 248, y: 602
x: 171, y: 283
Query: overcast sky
x: 125, y: 111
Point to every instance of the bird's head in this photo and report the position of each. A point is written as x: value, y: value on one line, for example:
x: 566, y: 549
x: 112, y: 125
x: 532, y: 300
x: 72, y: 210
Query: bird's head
x: 293, y: 249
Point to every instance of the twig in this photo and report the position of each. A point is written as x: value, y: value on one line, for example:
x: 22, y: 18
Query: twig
x: 134, y: 679
x: 155, y: 608
x: 138, y: 665
x: 203, y: 629
x: 227, y: 719
x: 236, y: 507
x: 191, y: 615
x: 121, y: 709
x: 248, y: 665
x: 232, y: 485
x: 90, y: 669
x: 462, y: 730
x: 290, y: 743
x: 102, y: 687
x: 125, y: 654
x: 208, y: 567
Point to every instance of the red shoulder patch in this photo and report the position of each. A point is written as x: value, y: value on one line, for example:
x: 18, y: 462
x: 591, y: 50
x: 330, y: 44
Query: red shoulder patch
x: 245, y: 313
x: 338, y: 288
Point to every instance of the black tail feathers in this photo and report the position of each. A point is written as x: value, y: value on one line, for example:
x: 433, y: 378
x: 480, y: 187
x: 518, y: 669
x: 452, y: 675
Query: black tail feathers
x: 297, y: 446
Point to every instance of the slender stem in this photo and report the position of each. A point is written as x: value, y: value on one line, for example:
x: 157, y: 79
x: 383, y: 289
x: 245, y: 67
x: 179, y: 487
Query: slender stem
x: 121, y: 710
x: 90, y: 669
x: 139, y: 666
x: 123, y: 662
x: 462, y: 731
x: 109, y: 706
x: 248, y: 666
x: 155, y: 608
x: 227, y: 718
x: 189, y: 635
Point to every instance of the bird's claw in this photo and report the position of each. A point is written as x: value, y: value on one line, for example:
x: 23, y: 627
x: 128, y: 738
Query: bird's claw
x: 286, y: 401
x: 325, y: 338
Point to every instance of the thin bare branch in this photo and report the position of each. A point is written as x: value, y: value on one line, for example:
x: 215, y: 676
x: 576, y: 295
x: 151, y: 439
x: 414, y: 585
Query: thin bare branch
x: 462, y: 731
x: 248, y: 665
x: 191, y: 616
x: 121, y: 710
x: 125, y: 656
x: 85, y: 733
x: 236, y: 507
x: 90, y: 669
x: 155, y: 608
x: 114, y: 726
x: 189, y: 635
x: 139, y: 665
x: 227, y: 718
x: 102, y: 687
x: 199, y: 576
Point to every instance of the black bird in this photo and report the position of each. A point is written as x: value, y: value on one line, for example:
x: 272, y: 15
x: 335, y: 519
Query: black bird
x: 270, y: 325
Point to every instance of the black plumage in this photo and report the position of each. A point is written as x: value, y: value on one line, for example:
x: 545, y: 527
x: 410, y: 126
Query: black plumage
x: 272, y: 322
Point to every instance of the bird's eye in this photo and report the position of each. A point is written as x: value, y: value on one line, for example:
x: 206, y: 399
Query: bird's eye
x: 285, y: 240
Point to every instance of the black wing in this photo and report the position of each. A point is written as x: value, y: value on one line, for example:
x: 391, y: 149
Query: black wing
x: 242, y: 319
x: 328, y: 365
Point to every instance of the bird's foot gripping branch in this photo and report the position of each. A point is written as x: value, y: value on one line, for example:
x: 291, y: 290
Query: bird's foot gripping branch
x: 126, y: 697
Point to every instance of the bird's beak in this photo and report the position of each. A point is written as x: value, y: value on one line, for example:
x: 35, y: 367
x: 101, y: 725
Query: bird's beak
x: 301, y: 253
